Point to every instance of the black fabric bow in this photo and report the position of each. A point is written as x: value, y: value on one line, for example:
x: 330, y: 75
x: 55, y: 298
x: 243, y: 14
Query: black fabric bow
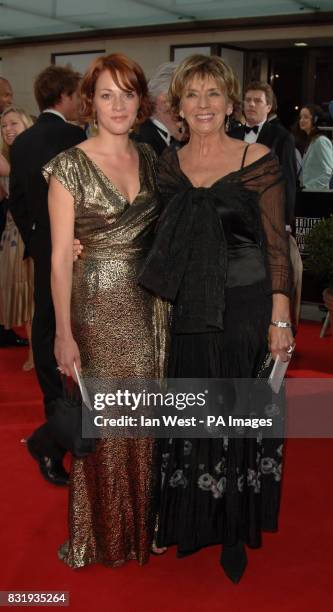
x: 187, y: 262
x: 249, y: 129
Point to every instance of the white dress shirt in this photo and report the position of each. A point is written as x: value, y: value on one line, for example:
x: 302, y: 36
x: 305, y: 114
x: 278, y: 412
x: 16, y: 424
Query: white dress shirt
x: 162, y: 130
x: 55, y: 112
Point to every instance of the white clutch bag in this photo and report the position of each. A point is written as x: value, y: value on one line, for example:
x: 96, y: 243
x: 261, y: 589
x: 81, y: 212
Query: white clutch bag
x: 277, y: 374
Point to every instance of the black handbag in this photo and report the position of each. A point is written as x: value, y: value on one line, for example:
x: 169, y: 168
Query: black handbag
x: 65, y: 416
x: 266, y: 366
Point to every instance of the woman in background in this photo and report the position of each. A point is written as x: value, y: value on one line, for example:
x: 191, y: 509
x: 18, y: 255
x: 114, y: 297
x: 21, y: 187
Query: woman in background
x: 316, y: 148
x: 16, y: 273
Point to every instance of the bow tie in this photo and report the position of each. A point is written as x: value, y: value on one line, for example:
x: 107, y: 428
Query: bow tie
x: 249, y: 129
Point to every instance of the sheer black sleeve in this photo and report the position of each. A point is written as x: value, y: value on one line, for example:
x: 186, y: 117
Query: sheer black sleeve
x: 266, y: 179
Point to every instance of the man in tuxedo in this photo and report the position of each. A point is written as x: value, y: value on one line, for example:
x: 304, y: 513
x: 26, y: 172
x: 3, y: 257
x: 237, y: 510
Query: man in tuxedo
x: 161, y: 127
x: 258, y: 103
x: 263, y: 126
x: 56, y: 92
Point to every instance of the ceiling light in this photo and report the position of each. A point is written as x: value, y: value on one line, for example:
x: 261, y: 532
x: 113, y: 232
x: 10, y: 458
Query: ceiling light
x: 301, y: 44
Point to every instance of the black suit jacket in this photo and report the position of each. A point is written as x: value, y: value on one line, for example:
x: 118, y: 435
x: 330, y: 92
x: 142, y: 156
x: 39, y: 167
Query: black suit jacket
x: 28, y: 189
x: 281, y: 142
x: 148, y: 133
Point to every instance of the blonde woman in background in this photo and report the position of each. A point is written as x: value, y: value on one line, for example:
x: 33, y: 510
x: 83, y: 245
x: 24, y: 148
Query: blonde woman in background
x: 16, y: 273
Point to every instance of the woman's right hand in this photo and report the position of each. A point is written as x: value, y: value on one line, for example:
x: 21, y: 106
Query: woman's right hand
x: 77, y: 249
x: 67, y: 353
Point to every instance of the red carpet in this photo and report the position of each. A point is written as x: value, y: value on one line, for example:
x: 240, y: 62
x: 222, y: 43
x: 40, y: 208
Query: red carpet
x: 293, y: 571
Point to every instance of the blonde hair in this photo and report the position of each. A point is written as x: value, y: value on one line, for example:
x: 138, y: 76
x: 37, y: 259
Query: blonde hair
x: 25, y: 118
x: 203, y: 66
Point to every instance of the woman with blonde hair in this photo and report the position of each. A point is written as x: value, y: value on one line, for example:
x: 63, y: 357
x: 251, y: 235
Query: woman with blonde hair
x: 221, y: 257
x: 16, y: 273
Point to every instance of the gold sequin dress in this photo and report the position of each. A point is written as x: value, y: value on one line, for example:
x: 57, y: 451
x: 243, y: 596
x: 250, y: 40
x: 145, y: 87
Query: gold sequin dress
x: 120, y: 329
x: 16, y: 277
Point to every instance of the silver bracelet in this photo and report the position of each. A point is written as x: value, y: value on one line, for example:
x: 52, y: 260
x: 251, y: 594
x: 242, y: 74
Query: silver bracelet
x: 283, y: 324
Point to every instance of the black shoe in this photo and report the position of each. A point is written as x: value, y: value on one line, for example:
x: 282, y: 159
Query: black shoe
x: 9, y: 338
x: 234, y: 561
x: 52, y: 469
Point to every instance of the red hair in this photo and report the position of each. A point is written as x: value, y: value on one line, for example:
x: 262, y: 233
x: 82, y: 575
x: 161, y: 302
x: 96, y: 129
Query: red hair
x: 127, y: 75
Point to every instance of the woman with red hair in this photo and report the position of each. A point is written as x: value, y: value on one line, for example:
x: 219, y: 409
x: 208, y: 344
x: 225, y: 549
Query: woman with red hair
x: 104, y: 192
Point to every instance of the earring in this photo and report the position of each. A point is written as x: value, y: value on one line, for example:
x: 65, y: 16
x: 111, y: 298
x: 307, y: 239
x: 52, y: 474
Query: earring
x: 181, y: 114
x: 95, y: 124
x: 227, y: 124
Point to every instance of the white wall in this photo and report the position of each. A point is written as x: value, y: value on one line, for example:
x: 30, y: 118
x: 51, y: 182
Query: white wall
x: 21, y: 64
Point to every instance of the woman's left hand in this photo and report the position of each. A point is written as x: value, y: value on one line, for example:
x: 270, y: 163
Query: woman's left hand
x: 280, y: 341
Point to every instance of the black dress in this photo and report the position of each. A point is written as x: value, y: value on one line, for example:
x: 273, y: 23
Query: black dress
x: 219, y: 254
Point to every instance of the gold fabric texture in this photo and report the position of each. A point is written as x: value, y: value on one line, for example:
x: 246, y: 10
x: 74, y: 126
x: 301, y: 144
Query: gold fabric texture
x: 16, y: 278
x: 120, y: 329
